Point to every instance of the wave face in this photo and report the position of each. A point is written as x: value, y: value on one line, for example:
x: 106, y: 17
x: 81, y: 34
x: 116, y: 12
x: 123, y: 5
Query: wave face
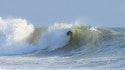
x: 17, y: 36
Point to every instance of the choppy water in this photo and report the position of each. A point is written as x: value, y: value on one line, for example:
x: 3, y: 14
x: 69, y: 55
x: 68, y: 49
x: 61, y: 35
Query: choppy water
x: 24, y: 46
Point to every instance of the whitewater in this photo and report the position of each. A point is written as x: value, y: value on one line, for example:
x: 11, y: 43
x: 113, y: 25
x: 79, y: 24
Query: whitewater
x: 24, y: 46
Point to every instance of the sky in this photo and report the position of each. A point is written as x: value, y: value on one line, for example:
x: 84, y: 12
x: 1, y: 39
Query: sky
x: 109, y: 13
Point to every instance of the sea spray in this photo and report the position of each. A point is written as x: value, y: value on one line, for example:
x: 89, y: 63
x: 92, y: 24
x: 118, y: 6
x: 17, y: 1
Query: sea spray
x: 13, y: 33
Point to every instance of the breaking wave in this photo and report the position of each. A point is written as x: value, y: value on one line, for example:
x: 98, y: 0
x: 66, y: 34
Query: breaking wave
x: 18, y: 36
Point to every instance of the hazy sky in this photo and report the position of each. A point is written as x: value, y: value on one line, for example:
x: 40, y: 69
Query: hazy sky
x: 95, y: 12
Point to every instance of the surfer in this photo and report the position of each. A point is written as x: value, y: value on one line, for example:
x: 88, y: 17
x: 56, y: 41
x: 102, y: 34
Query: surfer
x: 69, y: 33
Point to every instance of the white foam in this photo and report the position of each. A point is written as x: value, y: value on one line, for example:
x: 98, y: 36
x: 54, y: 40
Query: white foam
x: 55, y: 37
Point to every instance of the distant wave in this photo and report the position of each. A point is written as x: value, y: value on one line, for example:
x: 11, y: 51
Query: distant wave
x: 18, y: 36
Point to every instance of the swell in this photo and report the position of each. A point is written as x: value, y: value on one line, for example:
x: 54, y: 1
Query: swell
x: 87, y: 40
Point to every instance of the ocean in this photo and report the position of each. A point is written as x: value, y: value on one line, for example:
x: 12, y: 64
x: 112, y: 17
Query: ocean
x: 24, y: 46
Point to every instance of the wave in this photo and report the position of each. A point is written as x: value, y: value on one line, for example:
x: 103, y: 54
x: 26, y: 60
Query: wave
x: 18, y: 36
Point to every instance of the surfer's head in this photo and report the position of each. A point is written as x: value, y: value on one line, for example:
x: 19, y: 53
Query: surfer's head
x: 69, y: 33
